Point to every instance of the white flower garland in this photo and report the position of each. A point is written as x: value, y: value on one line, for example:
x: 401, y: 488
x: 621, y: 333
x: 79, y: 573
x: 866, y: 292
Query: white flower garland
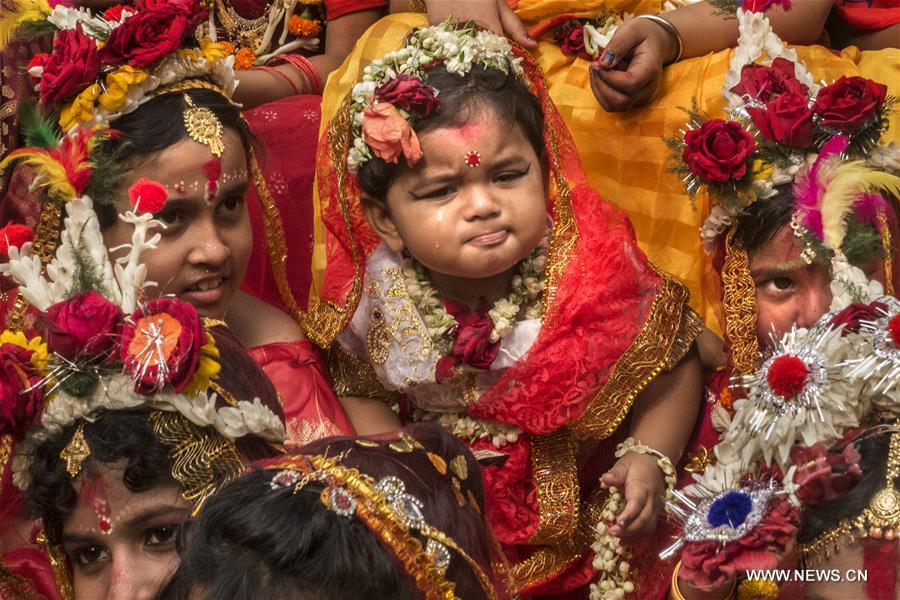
x: 527, y: 286
x: 471, y: 429
x: 457, y: 49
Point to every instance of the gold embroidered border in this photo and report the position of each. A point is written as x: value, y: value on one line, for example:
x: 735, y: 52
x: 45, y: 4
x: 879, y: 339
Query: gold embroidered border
x: 556, y: 482
x: 326, y: 319
x: 548, y: 561
x: 888, y: 253
x: 739, y: 304
x: 667, y: 335
x: 351, y: 376
x: 276, y: 247
x: 16, y: 587
x: 59, y: 565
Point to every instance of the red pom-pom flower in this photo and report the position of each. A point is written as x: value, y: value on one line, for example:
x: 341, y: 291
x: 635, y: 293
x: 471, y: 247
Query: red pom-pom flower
x: 787, y: 375
x: 147, y: 196
x: 14, y: 236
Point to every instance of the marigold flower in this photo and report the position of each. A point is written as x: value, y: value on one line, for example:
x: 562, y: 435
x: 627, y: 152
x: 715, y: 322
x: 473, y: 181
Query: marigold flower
x: 244, y: 59
x: 303, y: 27
x: 81, y: 109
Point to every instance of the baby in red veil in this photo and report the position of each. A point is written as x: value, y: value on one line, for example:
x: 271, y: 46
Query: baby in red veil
x: 475, y: 279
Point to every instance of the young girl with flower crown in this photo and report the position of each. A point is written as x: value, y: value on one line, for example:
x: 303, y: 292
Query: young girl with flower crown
x: 475, y: 279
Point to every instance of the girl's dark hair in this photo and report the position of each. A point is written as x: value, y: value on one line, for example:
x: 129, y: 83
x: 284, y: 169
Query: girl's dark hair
x: 253, y: 542
x: 819, y: 519
x: 759, y: 223
x: 154, y: 126
x: 463, y: 98
x: 115, y: 437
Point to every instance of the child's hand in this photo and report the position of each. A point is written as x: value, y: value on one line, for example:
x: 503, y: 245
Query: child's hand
x: 641, y: 479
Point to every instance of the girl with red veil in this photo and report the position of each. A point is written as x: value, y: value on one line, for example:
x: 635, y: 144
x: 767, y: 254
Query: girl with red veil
x: 612, y: 330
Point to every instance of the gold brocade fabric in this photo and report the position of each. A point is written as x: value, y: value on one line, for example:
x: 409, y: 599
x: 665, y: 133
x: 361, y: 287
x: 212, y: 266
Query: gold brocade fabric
x: 624, y: 153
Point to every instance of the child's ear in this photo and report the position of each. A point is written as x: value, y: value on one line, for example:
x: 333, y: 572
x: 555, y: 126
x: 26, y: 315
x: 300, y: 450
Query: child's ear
x: 379, y: 217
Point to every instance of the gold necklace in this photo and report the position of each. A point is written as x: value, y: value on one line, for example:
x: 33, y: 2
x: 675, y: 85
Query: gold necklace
x: 244, y: 33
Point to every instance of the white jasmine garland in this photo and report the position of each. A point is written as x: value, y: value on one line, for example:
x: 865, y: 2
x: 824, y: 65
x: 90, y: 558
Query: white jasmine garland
x: 470, y: 429
x: 527, y: 286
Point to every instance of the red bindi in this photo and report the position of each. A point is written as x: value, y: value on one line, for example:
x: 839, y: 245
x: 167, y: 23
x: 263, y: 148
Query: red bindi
x: 473, y: 158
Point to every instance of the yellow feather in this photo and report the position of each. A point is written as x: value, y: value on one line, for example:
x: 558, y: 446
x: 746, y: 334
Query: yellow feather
x: 52, y: 175
x: 21, y: 12
x: 842, y: 187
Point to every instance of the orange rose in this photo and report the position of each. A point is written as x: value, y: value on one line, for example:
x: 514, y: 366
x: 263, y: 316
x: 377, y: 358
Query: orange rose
x: 388, y: 134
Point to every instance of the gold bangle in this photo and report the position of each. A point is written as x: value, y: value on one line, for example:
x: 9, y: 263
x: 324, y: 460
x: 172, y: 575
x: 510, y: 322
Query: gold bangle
x: 675, y: 591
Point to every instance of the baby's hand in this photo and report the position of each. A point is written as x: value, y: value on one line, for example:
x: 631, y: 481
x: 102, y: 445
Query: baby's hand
x: 642, y: 481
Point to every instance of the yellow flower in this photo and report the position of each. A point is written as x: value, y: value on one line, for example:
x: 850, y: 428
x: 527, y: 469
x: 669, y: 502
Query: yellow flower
x: 212, y: 51
x: 207, y: 369
x: 762, y: 169
x: 38, y: 348
x: 81, y: 109
x: 117, y: 84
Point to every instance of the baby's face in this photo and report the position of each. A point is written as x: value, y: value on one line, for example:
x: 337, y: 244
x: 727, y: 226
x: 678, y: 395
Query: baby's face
x: 475, y: 205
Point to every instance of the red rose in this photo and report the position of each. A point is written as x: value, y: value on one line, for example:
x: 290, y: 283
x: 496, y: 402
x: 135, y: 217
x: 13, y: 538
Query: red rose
x: 718, y: 151
x: 572, y: 42
x: 188, y: 6
x: 472, y: 345
x: 787, y: 120
x: 74, y: 63
x: 853, y: 315
x: 20, y: 395
x: 410, y: 94
x: 848, y: 103
x: 149, y: 35
x: 115, y: 12
x: 161, y: 344
x: 86, y: 324
x: 764, y: 83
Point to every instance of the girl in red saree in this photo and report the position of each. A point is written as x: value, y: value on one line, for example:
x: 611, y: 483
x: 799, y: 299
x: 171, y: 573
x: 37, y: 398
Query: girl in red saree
x: 489, y: 206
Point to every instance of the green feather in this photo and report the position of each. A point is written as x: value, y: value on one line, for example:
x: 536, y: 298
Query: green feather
x: 38, y: 130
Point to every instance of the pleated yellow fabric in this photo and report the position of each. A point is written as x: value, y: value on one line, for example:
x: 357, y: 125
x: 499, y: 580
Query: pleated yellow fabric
x: 624, y: 153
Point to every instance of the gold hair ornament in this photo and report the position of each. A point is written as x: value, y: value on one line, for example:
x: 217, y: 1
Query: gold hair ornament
x: 203, y: 126
x: 75, y: 452
x: 389, y: 512
x: 879, y: 520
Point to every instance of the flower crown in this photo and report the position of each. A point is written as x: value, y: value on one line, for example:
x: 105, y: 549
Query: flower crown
x: 106, y: 65
x: 393, y: 92
x: 781, y: 123
x: 107, y: 349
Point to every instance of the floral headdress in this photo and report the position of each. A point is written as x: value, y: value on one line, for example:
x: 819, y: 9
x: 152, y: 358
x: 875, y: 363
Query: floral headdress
x: 106, y: 65
x: 779, y: 121
x: 783, y: 128
x: 819, y: 392
x: 394, y: 91
x: 107, y: 349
